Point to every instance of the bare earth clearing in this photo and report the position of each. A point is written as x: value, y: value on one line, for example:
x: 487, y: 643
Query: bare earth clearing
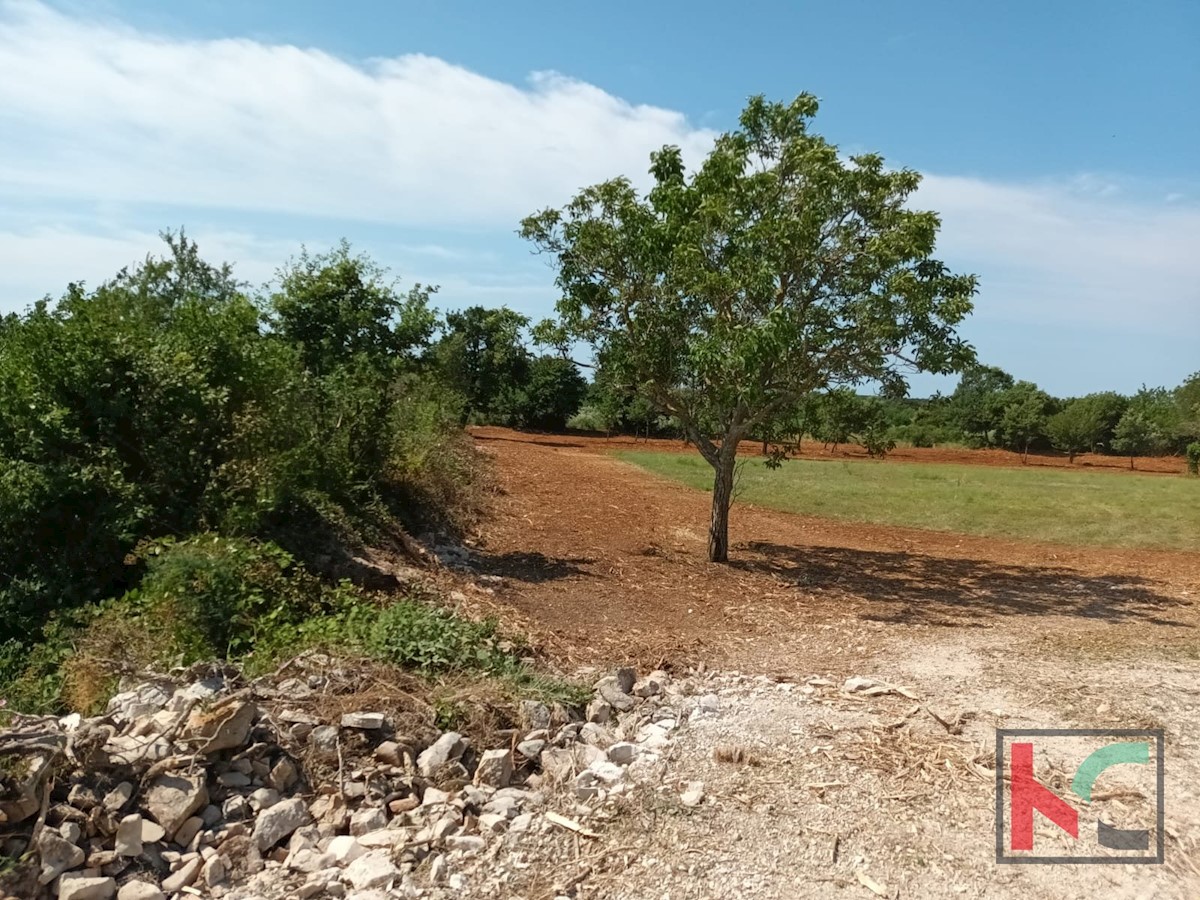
x: 603, y: 564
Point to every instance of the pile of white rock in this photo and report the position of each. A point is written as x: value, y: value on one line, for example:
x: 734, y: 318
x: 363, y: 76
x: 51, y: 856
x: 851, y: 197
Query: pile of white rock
x: 205, y: 789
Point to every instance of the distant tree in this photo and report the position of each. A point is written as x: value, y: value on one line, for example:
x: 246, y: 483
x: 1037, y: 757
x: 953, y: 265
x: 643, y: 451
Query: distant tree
x: 1138, y: 434
x: 837, y: 418
x: 336, y: 306
x: 1187, y: 398
x: 977, y: 404
x: 1108, y: 407
x: 1075, y: 428
x: 776, y: 269
x: 1023, y: 419
x: 553, y: 393
x: 482, y: 355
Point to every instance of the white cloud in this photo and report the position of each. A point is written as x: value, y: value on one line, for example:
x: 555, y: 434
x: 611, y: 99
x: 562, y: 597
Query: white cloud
x: 100, y: 115
x: 108, y: 113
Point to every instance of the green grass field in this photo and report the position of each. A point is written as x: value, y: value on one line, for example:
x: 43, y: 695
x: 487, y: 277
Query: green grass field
x: 1097, y: 508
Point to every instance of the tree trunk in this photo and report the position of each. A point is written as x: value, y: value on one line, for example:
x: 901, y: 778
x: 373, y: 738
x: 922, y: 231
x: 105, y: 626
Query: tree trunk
x: 1131, y: 463
x: 1071, y: 458
x: 718, y: 530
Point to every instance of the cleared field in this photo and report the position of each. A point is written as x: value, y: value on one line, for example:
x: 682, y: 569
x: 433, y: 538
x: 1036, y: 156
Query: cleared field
x: 1038, y: 504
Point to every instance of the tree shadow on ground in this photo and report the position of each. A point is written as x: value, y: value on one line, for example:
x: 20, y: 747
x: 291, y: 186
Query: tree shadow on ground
x: 537, y: 438
x: 532, y: 567
x: 911, y: 588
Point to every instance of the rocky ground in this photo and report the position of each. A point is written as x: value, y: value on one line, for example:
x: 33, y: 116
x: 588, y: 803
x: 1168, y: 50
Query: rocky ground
x: 704, y: 785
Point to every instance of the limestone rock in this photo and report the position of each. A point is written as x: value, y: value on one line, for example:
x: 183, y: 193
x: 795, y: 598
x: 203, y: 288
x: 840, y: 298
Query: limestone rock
x: 372, y: 870
x: 172, y: 799
x: 279, y: 822
x: 448, y: 747
x: 495, y: 768
x: 81, y: 887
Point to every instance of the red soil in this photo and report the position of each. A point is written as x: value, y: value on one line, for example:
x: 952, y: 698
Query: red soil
x: 602, y: 560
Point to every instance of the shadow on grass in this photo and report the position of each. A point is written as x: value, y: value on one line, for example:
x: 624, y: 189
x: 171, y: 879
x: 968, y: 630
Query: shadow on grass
x: 532, y: 567
x: 916, y: 589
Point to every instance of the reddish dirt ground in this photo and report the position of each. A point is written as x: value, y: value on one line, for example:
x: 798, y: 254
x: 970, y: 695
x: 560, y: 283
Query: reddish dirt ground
x: 605, y: 561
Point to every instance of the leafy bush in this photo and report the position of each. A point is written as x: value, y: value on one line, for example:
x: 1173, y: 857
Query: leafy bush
x: 167, y: 402
x: 1193, y: 458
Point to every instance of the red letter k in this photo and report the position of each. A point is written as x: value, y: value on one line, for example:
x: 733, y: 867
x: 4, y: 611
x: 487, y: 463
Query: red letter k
x: 1028, y: 794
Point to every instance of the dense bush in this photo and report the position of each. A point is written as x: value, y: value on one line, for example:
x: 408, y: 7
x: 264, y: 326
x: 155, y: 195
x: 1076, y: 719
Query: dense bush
x: 1193, y: 458
x: 167, y: 402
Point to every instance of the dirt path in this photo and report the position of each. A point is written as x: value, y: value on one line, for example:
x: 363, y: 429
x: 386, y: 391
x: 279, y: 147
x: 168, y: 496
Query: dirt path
x: 605, y: 563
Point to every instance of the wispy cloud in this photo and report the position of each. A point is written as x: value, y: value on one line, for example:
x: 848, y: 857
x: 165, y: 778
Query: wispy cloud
x: 101, y: 115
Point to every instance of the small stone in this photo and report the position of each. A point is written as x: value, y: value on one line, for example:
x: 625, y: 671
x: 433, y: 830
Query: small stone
x: 365, y: 721
x: 215, y: 871
x: 345, y: 849
x: 116, y: 799
x: 495, y: 768
x: 557, y: 763
x: 172, y: 799
x: 283, y: 775
x: 129, y: 836
x: 263, y: 798
x: 187, y: 831
x: 531, y: 749
x: 372, y: 870
x: 390, y: 753
x: 140, y: 890
x: 403, y: 805
x: 449, y: 746
x: 492, y: 823
x: 57, y: 856
x: 694, y: 795
x: 434, y: 796
x: 70, y: 832
x: 856, y: 684
x: 710, y: 703
x: 368, y: 819
x: 535, y: 714
x: 152, y: 832
x: 221, y: 728
x: 279, y: 822
x: 438, y: 869
x: 610, y: 691
x: 324, y: 741
x: 521, y: 823
x: 184, y: 877
x: 85, y: 887
x: 599, y: 711
x: 622, y: 753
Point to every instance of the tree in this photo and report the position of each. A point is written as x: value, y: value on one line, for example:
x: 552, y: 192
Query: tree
x: 553, y: 393
x: 1075, y: 428
x: 1136, y: 434
x: 335, y: 306
x: 775, y: 270
x: 481, y: 354
x: 977, y: 404
x: 1187, y: 398
x: 1023, y: 421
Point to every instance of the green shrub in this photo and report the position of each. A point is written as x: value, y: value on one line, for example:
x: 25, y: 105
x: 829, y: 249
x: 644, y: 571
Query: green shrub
x: 166, y: 402
x: 1193, y: 458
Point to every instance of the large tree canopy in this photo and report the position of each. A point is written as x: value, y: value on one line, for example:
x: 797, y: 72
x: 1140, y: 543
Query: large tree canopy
x: 775, y: 270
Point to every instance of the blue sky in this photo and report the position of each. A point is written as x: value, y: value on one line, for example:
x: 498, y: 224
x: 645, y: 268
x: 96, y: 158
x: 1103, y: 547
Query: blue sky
x: 1057, y: 140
